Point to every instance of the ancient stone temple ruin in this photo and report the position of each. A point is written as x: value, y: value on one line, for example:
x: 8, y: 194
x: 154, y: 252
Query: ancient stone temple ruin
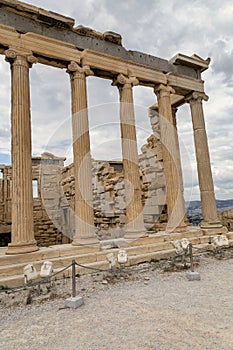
x: 138, y: 197
x: 54, y: 196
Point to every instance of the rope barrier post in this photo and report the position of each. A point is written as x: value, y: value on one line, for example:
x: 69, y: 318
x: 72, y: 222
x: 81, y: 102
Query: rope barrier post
x: 73, y: 279
x: 192, y: 275
x: 74, y: 301
x: 191, y: 256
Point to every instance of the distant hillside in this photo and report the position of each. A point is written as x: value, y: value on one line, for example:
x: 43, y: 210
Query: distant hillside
x: 221, y: 204
x: 194, y: 211
x: 224, y: 204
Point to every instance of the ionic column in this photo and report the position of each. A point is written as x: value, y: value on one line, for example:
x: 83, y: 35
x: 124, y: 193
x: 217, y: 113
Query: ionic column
x: 134, y: 212
x: 22, y: 235
x: 179, y: 167
x: 84, y: 213
x: 171, y: 160
x: 209, y: 211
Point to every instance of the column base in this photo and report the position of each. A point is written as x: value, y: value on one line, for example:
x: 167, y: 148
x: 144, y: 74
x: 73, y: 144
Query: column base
x: 215, y: 229
x: 85, y: 241
x: 210, y: 224
x: 22, y: 248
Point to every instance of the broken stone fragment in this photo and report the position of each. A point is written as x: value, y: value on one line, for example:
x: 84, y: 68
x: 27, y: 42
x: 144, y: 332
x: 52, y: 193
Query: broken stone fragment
x: 88, y: 32
x: 113, y: 37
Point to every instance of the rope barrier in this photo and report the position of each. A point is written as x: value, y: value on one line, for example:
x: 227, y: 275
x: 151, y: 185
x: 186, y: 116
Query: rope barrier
x: 65, y: 268
x: 48, y: 279
x: 91, y: 268
x: 33, y: 284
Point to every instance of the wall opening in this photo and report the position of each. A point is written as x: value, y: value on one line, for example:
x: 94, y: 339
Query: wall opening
x: 50, y: 111
x: 35, y: 191
x: 104, y: 119
x: 142, y: 121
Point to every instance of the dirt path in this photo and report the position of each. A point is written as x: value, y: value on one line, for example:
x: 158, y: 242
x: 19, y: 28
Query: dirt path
x: 152, y: 310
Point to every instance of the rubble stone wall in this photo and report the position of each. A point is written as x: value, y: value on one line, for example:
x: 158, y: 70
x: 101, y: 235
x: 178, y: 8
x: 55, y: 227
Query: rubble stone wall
x: 226, y: 219
x: 46, y: 207
x: 46, y: 172
x: 109, y: 197
x: 53, y: 208
x: 5, y: 204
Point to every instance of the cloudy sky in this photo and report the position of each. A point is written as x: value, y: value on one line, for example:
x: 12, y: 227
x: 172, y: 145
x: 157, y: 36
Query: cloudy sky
x: 161, y: 28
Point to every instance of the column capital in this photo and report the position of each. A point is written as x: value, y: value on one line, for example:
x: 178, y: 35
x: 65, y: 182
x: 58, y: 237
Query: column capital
x: 164, y: 88
x: 13, y: 54
x: 75, y: 68
x: 196, y: 96
x: 126, y: 81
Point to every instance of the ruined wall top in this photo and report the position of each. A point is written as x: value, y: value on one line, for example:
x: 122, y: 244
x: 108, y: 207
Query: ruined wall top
x: 48, y: 158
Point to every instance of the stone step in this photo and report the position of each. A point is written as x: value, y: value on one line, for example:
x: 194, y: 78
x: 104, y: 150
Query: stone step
x: 45, y: 253
x: 62, y: 261
x: 163, y: 237
x: 12, y: 274
x: 17, y: 278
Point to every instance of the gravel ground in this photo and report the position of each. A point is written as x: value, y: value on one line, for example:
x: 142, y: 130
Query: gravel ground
x: 142, y: 308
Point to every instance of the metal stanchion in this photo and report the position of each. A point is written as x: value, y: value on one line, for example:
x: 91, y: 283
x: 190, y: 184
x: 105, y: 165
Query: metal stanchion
x: 73, y: 280
x: 192, y: 275
x: 75, y: 301
x: 191, y: 256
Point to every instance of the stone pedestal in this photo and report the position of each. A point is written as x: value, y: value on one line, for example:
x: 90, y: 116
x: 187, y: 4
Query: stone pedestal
x: 171, y: 161
x: 134, y: 212
x: 84, y: 214
x: 74, y: 302
x: 209, y: 211
x: 22, y: 236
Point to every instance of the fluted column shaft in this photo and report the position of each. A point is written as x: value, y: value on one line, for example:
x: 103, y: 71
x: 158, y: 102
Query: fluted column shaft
x: 179, y: 166
x: 171, y: 160
x: 134, y: 211
x: 209, y: 210
x: 22, y: 235
x: 84, y: 213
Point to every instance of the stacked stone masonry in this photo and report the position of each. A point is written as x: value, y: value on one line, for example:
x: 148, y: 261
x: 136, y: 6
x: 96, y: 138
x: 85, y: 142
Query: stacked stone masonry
x: 46, y: 173
x: 226, y: 218
x: 53, y: 208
